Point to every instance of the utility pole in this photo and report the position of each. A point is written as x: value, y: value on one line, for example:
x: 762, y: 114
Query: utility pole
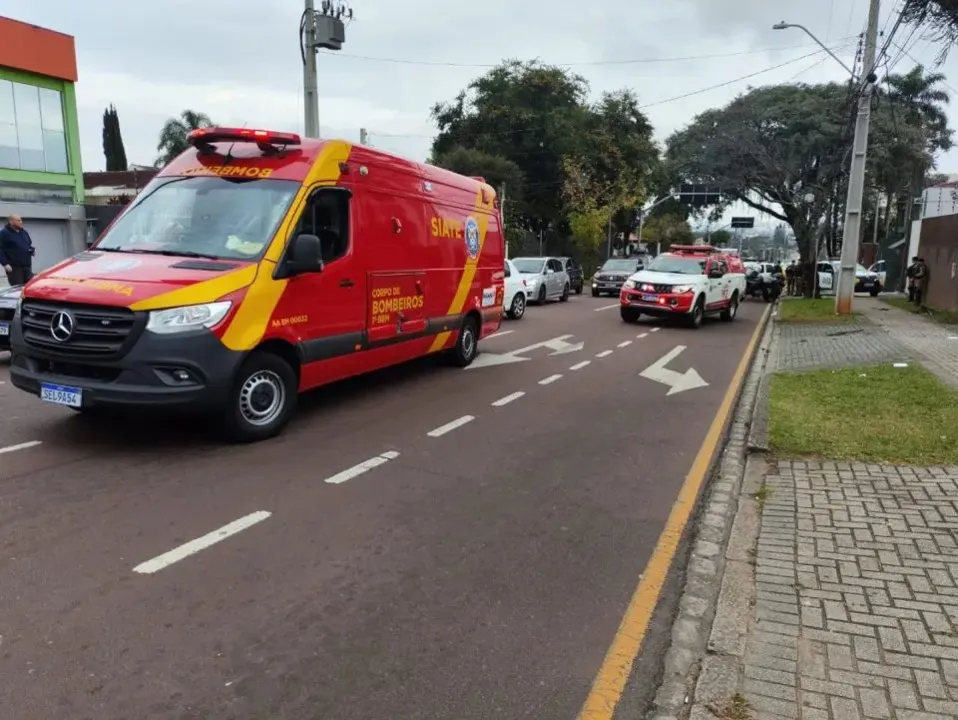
x: 323, y: 29
x: 856, y: 176
x: 609, y: 235
x: 363, y: 136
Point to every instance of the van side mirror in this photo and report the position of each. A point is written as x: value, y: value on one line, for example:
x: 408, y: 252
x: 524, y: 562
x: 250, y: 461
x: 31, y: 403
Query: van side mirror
x: 715, y: 273
x: 305, y: 255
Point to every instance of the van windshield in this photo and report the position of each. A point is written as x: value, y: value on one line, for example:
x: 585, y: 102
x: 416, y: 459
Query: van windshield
x: 214, y: 217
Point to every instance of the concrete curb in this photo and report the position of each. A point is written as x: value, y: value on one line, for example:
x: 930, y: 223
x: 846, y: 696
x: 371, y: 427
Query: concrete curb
x: 700, y: 635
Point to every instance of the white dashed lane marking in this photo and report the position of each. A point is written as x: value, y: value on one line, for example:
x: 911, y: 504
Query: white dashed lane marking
x: 450, y: 426
x: 21, y: 446
x: 579, y: 366
x: 508, y: 399
x: 604, y: 353
x: 363, y: 467
x: 607, y: 307
x: 642, y: 335
x: 549, y: 380
x: 498, y: 334
x: 201, y: 543
x: 655, y: 329
x: 625, y: 344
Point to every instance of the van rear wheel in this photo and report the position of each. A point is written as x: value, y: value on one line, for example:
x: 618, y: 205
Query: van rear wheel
x: 262, y: 399
x: 467, y: 344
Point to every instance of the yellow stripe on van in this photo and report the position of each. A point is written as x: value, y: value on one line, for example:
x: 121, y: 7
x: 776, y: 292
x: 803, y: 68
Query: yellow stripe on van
x: 468, y: 272
x: 201, y: 292
x: 249, y: 324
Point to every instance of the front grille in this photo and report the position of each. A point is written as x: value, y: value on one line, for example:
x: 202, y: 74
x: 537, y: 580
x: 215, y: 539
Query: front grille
x: 98, y: 331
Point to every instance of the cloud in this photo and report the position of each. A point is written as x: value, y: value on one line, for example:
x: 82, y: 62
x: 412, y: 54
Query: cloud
x: 239, y: 62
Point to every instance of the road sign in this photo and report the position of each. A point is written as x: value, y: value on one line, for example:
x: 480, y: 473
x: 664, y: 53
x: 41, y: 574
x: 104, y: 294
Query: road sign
x: 743, y: 222
x: 677, y: 382
x: 699, y: 196
x: 558, y: 346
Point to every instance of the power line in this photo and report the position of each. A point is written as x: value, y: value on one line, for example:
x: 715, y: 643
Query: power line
x: 635, y: 61
x: 648, y: 105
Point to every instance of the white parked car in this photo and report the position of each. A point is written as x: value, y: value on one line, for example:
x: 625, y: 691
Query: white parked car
x: 546, y: 278
x: 514, y: 299
x: 865, y: 280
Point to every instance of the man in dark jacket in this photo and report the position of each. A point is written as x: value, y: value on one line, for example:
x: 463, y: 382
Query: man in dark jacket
x: 16, y: 251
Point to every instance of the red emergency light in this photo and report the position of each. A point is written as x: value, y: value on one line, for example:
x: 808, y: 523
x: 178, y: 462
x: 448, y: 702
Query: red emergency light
x: 206, y: 136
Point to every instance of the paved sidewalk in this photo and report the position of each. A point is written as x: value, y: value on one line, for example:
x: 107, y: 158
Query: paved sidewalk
x: 839, y: 581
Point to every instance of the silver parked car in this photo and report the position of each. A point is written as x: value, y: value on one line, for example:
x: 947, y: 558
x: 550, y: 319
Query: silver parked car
x: 546, y: 278
x: 9, y: 296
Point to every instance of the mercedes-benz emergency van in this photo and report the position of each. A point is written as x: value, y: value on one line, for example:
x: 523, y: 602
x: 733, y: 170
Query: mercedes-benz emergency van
x: 258, y: 265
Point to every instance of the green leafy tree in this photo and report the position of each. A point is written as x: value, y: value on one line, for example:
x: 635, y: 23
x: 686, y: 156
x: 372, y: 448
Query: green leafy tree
x: 574, y: 159
x: 173, y: 135
x: 938, y: 19
x: 663, y: 231
x: 113, y: 150
x: 720, y: 238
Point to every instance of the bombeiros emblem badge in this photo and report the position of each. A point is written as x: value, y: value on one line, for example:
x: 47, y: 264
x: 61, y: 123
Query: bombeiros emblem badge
x: 472, y: 237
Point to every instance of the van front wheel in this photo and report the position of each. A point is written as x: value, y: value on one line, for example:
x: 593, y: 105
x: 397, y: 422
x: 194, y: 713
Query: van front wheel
x: 262, y: 399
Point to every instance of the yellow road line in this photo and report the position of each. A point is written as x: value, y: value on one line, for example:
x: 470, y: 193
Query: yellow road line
x: 610, y: 681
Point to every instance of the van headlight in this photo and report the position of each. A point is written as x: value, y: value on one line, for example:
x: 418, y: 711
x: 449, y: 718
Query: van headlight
x: 16, y: 310
x: 629, y: 284
x: 189, y: 317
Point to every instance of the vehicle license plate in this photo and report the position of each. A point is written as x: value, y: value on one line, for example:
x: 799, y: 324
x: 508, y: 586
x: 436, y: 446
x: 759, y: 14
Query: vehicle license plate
x: 649, y: 298
x: 4, y: 329
x: 61, y: 395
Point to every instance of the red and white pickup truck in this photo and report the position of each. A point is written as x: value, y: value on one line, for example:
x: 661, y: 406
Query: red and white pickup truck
x: 688, y: 282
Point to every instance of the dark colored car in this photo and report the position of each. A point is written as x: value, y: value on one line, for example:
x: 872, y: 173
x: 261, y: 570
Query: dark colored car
x: 576, y: 277
x: 8, y: 304
x: 609, y: 278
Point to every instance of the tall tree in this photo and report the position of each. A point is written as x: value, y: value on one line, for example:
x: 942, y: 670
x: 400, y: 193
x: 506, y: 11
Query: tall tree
x: 937, y: 18
x: 174, y: 132
x: 113, y: 150
x: 578, y: 162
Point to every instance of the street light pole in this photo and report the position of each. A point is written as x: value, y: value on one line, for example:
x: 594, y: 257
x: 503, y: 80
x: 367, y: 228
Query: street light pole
x: 784, y: 25
x: 310, y: 81
x: 856, y: 176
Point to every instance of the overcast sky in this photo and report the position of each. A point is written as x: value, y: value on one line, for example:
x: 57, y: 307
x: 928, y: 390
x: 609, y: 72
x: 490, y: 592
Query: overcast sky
x: 238, y: 60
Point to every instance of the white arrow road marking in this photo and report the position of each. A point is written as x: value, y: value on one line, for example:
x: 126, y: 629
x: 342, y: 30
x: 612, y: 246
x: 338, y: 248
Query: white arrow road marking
x: 677, y: 382
x: 558, y: 345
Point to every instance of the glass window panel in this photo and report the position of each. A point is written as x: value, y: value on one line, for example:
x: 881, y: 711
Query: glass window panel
x: 55, y: 151
x: 26, y: 99
x: 51, y: 110
x: 9, y: 148
x: 7, y: 114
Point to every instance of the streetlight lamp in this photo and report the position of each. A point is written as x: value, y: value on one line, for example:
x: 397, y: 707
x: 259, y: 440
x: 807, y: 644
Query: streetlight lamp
x: 784, y: 26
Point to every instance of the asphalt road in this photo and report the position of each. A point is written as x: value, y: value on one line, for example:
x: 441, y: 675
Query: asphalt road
x: 480, y: 570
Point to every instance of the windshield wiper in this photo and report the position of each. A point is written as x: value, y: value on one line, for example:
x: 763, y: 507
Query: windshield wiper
x: 167, y: 253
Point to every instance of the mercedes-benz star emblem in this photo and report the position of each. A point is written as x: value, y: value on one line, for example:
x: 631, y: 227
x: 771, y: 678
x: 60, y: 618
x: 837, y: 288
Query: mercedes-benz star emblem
x: 62, y: 325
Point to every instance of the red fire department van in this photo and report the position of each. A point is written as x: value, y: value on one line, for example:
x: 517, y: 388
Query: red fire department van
x: 258, y: 265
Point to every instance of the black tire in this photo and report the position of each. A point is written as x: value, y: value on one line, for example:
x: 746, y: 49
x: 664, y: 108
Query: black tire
x: 578, y: 289
x: 565, y: 294
x: 595, y: 293
x: 518, y: 308
x: 875, y: 290
x: 629, y: 314
x: 695, y: 317
x: 541, y: 297
x: 263, y: 378
x: 467, y: 344
x: 729, y: 313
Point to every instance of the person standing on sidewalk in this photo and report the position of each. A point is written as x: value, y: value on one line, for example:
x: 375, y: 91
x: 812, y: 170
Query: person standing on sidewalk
x: 16, y: 251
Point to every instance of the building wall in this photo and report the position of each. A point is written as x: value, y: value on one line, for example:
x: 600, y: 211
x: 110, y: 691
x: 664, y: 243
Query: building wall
x: 37, y: 67
x: 939, y: 247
